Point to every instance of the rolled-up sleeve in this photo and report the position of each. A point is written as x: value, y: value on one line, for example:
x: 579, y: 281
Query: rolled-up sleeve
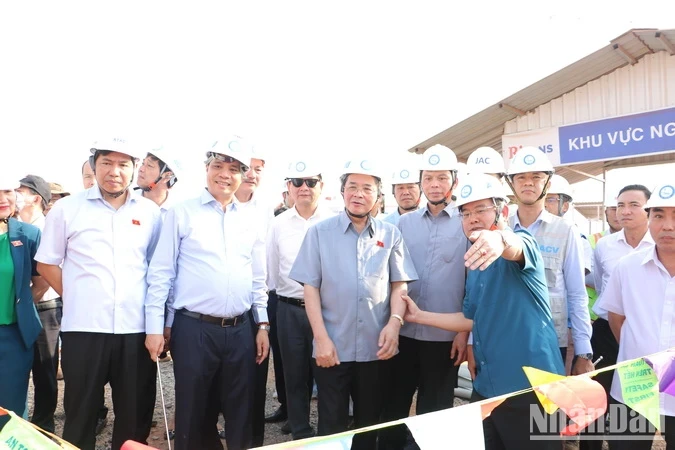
x: 307, y: 266
x: 52, y: 248
x: 161, y: 275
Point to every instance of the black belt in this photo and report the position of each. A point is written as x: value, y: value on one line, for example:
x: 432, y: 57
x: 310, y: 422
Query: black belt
x: 222, y: 321
x: 49, y: 304
x: 292, y: 301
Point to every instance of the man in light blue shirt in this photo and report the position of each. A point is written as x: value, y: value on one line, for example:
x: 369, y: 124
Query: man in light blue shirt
x: 429, y: 357
x: 213, y: 256
x: 562, y: 251
x: 354, y: 270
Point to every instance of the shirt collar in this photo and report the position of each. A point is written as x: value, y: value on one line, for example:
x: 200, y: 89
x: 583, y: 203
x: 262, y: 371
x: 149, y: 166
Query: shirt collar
x: 345, y: 221
x: 449, y: 210
x: 544, y: 216
x: 207, y: 198
x: 94, y: 193
x: 320, y: 211
x: 652, y: 256
x: 647, y: 238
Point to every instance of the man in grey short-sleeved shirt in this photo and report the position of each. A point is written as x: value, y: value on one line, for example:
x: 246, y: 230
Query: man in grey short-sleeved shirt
x: 354, y: 270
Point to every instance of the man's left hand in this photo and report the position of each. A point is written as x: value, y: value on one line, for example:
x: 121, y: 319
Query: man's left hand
x: 262, y: 345
x: 582, y: 365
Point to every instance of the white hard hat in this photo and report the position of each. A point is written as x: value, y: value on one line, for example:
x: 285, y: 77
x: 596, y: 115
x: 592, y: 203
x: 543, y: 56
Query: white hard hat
x: 363, y: 167
x: 530, y: 159
x: 115, y: 144
x: 439, y: 157
x: 663, y: 196
x: 169, y: 158
x: 479, y: 186
x: 233, y: 146
x: 302, y: 169
x: 560, y: 185
x: 405, y: 176
x: 9, y: 179
x: 284, y: 187
x: 259, y: 152
x: 485, y: 160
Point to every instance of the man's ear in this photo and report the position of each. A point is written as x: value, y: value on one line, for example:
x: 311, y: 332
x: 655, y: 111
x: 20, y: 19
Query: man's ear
x: 505, y: 211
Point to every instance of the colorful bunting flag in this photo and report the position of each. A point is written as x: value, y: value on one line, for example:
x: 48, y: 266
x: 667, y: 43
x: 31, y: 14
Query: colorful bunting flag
x: 538, y: 377
x: 640, y: 389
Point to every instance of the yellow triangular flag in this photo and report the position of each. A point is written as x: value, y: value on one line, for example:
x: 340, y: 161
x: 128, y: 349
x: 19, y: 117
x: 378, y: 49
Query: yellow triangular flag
x: 538, y: 377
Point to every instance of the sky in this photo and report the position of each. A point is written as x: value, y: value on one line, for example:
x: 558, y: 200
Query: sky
x: 302, y: 79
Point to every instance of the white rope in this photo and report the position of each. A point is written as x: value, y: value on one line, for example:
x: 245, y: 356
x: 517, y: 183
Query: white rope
x: 161, y: 391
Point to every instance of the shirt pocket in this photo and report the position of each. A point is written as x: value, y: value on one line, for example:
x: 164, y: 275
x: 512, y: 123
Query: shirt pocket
x: 552, y: 269
x: 377, y: 263
x: 452, y: 248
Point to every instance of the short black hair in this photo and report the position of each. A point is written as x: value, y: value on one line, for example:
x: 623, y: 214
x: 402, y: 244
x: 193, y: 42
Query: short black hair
x: 107, y: 152
x: 636, y: 187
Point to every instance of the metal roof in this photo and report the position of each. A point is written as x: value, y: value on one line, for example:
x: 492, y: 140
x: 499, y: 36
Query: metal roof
x: 487, y: 127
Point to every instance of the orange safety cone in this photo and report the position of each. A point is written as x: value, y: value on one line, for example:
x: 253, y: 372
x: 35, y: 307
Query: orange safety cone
x: 133, y: 445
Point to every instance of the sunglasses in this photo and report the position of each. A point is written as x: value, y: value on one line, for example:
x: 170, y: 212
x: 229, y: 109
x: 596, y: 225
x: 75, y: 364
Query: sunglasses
x: 227, y: 159
x: 297, y: 182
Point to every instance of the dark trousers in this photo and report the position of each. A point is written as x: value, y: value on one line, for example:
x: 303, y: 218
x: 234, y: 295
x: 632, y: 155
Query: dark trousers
x: 45, y: 365
x: 15, y: 363
x: 364, y: 381
x: 259, y: 394
x: 563, y: 353
x: 89, y: 361
x: 510, y: 425
x: 604, y: 344
x: 212, y: 361
x: 279, y: 378
x: 295, y: 343
x: 427, y: 367
x: 629, y: 430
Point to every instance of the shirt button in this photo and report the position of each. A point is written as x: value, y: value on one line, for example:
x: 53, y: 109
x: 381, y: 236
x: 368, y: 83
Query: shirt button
x: 482, y: 363
x: 360, y: 321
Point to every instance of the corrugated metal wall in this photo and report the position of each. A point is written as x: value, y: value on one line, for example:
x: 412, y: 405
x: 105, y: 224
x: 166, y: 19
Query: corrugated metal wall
x: 645, y: 86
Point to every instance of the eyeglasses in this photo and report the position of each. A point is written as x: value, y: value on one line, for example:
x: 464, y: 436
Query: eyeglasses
x: 552, y: 199
x: 309, y: 182
x: 227, y: 159
x: 478, y: 212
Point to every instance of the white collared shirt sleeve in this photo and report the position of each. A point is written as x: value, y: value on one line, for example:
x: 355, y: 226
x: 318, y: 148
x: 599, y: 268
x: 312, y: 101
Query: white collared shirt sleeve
x: 577, y: 297
x: 53, y: 243
x: 259, y: 269
x: 272, y: 256
x: 161, y: 275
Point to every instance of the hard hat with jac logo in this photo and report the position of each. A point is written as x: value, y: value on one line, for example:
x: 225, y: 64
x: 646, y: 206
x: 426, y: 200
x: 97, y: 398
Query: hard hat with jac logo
x: 479, y: 186
x: 170, y: 160
x: 115, y: 144
x: 485, y: 160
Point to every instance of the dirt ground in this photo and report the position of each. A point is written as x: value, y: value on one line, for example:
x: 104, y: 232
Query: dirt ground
x: 157, y: 439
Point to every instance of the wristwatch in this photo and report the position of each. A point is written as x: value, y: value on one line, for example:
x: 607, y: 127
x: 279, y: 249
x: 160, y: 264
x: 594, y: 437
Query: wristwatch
x: 588, y: 356
x: 264, y: 326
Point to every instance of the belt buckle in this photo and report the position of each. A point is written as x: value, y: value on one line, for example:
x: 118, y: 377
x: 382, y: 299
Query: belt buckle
x: 223, y: 321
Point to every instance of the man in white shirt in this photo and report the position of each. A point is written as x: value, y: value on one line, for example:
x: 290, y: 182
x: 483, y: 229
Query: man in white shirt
x: 634, y: 236
x: 212, y: 254
x: 640, y: 300
x: 104, y: 237
x: 294, y: 331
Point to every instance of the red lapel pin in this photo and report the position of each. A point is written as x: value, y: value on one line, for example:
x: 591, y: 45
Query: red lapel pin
x: 135, y: 222
x: 380, y: 244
